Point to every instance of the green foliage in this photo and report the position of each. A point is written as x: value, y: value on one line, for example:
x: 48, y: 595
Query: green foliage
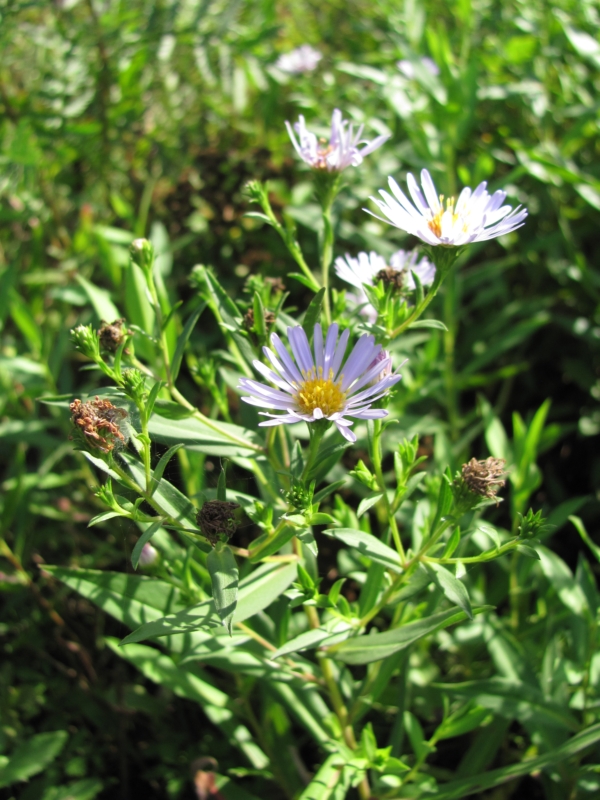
x: 366, y: 612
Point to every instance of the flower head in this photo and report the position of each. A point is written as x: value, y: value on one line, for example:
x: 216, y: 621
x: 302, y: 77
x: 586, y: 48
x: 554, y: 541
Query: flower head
x: 322, y: 385
x: 371, y: 267
x: 303, y: 59
x: 475, y: 217
x: 407, y: 68
x: 340, y: 152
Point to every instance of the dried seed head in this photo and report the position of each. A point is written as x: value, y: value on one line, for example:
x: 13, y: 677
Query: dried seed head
x: 276, y: 284
x: 217, y: 521
x: 486, y: 477
x: 391, y: 278
x: 249, y: 319
x: 98, y: 423
x: 112, y: 335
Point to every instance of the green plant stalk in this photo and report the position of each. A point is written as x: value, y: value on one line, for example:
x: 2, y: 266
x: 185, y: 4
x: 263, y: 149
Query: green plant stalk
x: 291, y: 244
x: 317, y: 431
x: 390, y: 513
x: 450, y: 303
x: 337, y: 701
x: 326, y: 258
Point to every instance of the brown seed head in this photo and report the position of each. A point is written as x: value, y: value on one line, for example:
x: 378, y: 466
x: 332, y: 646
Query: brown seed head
x: 249, y: 319
x: 486, y: 477
x: 112, y: 336
x: 98, y: 422
x: 390, y: 277
x: 216, y: 518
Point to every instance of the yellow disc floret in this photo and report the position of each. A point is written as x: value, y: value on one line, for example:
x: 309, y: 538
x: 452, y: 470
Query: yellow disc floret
x: 435, y: 223
x: 319, y: 392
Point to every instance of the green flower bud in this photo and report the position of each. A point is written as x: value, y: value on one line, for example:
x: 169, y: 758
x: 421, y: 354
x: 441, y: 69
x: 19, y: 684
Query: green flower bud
x: 86, y: 341
x: 532, y: 525
x: 142, y: 254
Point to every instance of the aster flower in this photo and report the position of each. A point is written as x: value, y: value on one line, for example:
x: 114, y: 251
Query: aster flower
x: 407, y: 68
x: 303, y: 59
x: 371, y: 267
x: 321, y: 386
x: 340, y: 152
x: 475, y: 217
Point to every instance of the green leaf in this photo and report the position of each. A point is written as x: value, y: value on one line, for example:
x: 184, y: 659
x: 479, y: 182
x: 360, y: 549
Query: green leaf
x: 267, y: 545
x: 222, y: 482
x: 515, y: 699
x: 170, y: 499
x: 366, y: 503
x: 132, y: 599
x: 368, y: 545
x: 100, y: 300
x: 224, y: 576
x: 562, y: 581
x: 429, y: 323
x: 333, y: 776
x: 453, y: 588
x: 32, y: 757
x: 162, y: 464
x: 183, y: 340
x: 376, y: 646
x: 585, y: 536
x: 256, y: 592
x: 315, y: 637
x: 528, y: 551
x: 463, y: 721
x: 313, y: 313
x: 86, y: 789
x: 144, y: 539
x: 192, y: 684
x: 457, y: 790
x: 208, y: 436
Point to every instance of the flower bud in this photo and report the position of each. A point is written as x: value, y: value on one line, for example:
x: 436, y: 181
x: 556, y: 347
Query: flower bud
x: 148, y: 555
x: 134, y: 384
x: 142, y: 254
x: 86, y: 341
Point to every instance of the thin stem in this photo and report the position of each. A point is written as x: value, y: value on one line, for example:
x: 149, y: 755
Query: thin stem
x: 317, y: 432
x: 326, y: 258
x: 376, y: 460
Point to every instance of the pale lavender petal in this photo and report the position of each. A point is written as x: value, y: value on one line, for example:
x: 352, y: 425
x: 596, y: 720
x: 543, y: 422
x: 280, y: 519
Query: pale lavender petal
x: 318, y: 346
x: 339, y: 354
x: 430, y: 191
x: 299, y: 344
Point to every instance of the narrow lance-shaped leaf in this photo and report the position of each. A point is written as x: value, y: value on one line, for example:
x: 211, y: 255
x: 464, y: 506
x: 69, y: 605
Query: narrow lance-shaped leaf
x: 144, y: 539
x: 183, y: 340
x: 454, y: 589
x: 224, y: 575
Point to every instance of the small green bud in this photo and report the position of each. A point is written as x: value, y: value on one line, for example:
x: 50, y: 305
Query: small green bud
x: 532, y: 525
x: 363, y: 474
x: 86, y: 341
x: 300, y: 496
x: 142, y: 254
x: 134, y: 385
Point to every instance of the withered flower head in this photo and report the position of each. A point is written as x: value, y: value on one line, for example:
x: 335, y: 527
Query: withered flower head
x: 112, y: 335
x: 98, y: 423
x: 217, y: 520
x: 276, y: 284
x: 486, y: 477
x: 249, y: 319
x: 391, y: 277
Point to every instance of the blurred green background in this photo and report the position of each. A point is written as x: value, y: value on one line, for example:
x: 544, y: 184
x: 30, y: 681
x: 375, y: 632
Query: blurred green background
x: 147, y: 118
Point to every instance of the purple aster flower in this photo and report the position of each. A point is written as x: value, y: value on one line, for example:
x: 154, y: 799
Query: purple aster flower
x: 340, y: 152
x: 303, y: 59
x: 475, y: 217
x: 320, y: 385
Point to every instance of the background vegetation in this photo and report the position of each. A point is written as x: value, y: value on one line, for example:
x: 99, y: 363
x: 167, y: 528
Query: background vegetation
x: 147, y: 118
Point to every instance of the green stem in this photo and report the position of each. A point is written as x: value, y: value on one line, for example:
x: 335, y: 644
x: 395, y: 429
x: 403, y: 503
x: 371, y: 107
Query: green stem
x: 317, y: 431
x: 326, y: 258
x: 449, y: 343
x: 376, y: 460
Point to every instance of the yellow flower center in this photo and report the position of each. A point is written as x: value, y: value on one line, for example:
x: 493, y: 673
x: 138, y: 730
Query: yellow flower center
x: 319, y: 392
x: 435, y: 223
